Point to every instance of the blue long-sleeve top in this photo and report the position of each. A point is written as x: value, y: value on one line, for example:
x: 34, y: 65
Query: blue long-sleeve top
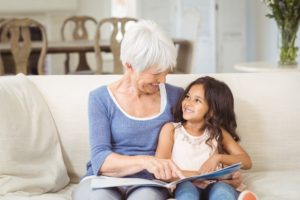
x: 113, y: 130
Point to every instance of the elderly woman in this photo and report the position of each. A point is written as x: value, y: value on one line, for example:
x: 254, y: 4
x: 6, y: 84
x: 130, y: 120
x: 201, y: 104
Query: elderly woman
x: 125, y: 117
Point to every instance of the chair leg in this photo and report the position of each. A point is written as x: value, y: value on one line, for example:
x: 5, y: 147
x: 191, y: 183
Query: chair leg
x: 67, y: 61
x: 1, y: 66
x: 83, y: 65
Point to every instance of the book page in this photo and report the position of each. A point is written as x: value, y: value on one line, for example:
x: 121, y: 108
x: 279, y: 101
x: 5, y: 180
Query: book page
x: 108, y: 182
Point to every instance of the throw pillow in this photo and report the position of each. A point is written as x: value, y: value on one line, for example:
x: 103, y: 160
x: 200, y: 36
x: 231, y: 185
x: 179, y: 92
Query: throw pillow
x: 31, y: 160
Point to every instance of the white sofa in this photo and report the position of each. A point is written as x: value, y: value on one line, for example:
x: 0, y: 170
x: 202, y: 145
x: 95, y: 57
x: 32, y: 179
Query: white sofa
x: 267, y: 107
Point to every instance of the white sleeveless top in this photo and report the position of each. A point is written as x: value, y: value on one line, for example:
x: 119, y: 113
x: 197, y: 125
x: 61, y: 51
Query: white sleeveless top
x: 190, y: 152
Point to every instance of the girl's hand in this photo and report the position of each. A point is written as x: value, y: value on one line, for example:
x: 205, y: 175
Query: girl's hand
x: 202, y: 184
x: 236, y: 179
x: 163, y: 169
x: 210, y: 165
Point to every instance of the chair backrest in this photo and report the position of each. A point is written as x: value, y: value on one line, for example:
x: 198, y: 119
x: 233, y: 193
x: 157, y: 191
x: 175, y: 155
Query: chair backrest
x: 117, y: 33
x: 79, y: 31
x: 16, y: 32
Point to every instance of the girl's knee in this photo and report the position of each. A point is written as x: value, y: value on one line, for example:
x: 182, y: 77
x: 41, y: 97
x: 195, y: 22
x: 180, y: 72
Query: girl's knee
x: 222, y: 190
x: 186, y: 190
x: 221, y: 186
x: 186, y: 184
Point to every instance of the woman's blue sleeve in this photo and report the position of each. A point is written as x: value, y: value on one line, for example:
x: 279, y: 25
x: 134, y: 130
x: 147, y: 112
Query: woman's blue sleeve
x: 99, y: 131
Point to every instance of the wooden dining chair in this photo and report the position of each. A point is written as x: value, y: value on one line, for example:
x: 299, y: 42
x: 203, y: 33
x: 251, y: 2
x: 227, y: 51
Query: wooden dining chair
x: 16, y: 33
x: 79, y: 32
x: 117, y: 33
x: 2, y: 20
x: 1, y: 66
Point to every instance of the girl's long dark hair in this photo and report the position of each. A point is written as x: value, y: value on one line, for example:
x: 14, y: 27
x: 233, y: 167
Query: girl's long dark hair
x: 220, y: 112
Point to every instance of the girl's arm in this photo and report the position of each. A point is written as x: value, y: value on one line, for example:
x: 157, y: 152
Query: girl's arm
x: 165, y: 142
x: 235, y: 154
x: 165, y: 146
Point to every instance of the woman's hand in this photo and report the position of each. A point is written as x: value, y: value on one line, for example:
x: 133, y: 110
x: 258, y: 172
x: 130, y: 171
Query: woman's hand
x: 163, y: 169
x: 202, y: 184
x: 210, y: 165
x: 236, y: 179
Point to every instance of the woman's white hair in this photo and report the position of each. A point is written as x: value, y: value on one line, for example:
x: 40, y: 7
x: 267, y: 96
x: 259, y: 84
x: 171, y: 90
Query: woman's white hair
x: 145, y: 46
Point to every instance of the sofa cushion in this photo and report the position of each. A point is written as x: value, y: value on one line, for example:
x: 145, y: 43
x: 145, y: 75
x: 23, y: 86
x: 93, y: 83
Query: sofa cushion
x: 274, y: 185
x: 31, y: 161
x: 67, y: 98
x: 64, y: 194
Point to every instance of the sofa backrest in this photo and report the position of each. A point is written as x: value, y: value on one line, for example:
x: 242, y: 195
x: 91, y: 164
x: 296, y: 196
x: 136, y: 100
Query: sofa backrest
x: 266, y: 104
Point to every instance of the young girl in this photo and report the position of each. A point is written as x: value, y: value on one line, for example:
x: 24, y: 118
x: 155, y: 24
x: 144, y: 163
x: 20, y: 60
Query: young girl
x: 203, y: 138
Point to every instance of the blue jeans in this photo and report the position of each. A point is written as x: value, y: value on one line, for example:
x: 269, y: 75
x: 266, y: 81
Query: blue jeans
x: 84, y: 192
x: 215, y: 191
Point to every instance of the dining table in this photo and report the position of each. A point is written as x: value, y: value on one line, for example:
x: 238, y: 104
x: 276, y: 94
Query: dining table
x: 83, y: 46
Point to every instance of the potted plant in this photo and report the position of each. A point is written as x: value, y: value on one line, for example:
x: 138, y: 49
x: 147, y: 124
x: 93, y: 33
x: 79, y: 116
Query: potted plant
x: 287, y: 16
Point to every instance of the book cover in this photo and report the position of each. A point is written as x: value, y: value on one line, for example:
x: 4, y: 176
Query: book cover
x: 108, y: 182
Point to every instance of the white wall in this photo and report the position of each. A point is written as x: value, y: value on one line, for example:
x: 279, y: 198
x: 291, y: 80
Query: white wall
x: 95, y: 8
x: 250, y: 29
x: 27, y: 6
x: 266, y: 34
x: 193, y: 20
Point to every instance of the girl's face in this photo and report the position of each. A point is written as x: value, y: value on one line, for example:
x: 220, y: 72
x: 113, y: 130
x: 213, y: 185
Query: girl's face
x: 147, y: 82
x: 194, y: 105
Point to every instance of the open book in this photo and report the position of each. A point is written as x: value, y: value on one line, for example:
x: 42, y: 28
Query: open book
x: 107, y: 182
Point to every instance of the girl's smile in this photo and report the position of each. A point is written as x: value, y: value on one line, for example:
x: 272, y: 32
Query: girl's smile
x: 194, y: 105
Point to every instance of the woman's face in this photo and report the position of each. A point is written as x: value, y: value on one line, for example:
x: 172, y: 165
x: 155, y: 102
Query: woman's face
x: 147, y: 82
